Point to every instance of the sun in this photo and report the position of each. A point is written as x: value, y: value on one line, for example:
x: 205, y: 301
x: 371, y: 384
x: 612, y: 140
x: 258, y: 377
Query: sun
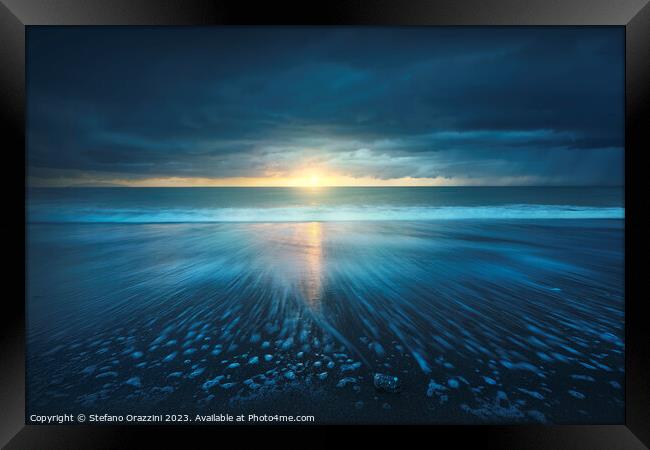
x: 309, y: 178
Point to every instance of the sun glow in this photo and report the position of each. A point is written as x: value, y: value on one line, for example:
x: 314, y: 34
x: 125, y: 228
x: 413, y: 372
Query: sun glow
x: 307, y: 178
x: 310, y: 178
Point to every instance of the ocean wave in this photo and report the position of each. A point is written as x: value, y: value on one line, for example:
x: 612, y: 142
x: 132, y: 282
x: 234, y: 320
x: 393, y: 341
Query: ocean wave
x: 319, y: 214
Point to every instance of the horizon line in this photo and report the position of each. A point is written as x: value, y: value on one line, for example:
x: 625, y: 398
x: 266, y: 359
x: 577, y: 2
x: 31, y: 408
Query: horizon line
x: 334, y: 186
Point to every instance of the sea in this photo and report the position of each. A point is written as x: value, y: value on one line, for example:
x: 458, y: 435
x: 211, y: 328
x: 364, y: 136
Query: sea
x: 478, y: 304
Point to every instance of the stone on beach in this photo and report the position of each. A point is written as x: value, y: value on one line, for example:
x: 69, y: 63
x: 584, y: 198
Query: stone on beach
x: 386, y: 383
x: 134, y: 381
x: 345, y: 381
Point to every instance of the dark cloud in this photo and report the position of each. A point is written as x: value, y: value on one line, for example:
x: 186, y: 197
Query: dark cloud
x: 542, y: 103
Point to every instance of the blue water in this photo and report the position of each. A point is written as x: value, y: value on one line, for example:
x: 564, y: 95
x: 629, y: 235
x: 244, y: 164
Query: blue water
x: 484, y: 318
x: 183, y: 205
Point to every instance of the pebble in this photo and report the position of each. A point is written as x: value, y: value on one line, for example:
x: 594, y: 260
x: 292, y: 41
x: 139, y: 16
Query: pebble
x: 386, y: 383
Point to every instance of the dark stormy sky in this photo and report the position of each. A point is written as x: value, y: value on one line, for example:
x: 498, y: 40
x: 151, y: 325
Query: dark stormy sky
x: 350, y: 106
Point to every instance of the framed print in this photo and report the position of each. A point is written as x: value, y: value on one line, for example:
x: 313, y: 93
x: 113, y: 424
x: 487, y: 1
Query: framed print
x: 418, y: 215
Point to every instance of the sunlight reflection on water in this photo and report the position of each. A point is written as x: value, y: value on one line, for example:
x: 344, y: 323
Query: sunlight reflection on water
x: 487, y: 309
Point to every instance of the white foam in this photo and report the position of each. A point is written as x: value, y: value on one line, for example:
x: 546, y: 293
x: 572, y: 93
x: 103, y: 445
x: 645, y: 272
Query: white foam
x: 325, y: 214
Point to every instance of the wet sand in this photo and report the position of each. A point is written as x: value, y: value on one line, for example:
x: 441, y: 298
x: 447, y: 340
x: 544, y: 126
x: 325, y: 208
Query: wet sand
x: 482, y: 321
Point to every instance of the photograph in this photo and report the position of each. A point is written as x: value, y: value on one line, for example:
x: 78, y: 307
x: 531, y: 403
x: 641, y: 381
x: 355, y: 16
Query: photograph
x: 325, y: 225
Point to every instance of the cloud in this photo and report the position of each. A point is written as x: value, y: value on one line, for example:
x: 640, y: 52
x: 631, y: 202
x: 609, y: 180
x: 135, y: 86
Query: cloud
x: 537, y: 104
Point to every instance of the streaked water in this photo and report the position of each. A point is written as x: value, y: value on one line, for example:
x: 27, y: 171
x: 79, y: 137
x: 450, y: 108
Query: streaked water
x: 492, y: 320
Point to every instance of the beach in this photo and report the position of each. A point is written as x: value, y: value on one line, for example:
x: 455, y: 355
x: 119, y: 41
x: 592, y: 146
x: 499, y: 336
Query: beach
x: 481, y: 321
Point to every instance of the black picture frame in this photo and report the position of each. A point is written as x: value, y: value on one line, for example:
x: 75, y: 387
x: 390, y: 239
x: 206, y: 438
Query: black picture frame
x: 16, y: 15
